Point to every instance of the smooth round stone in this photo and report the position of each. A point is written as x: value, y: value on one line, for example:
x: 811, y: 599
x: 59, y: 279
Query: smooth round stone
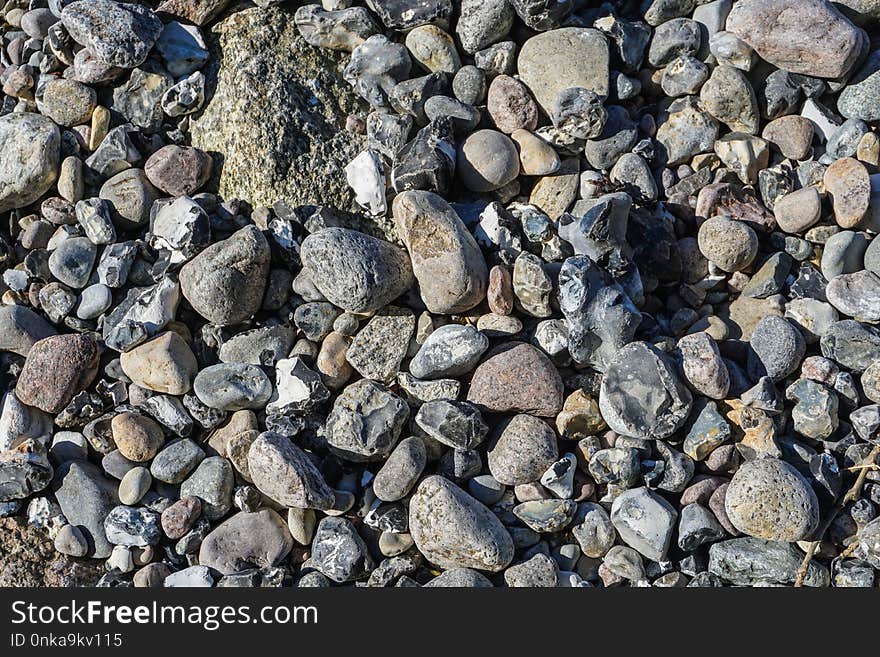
x: 848, y: 184
x: 176, y: 461
x: 232, y: 386
x: 93, y: 301
x: 523, y: 451
x: 469, y: 83
x: 446, y: 260
x: 70, y: 541
x: 36, y: 22
x: 131, y: 195
x: 433, y: 49
x: 870, y: 381
x: 225, y: 282
x: 641, y: 395
x: 21, y: 328
x: 536, y: 156
x: 301, y: 523
x: 72, y: 261
x: 518, y: 379
x: 487, y: 161
x: 844, y: 253
x: 31, y: 147
x: 134, y: 485
x: 453, y: 530
x: 792, y: 135
x: 138, y: 437
x: 730, y: 244
x: 372, y: 274
x: 163, y: 364
x: 856, y: 295
x: 68, y: 102
x: 246, y: 540
x: 799, y: 210
x: 449, y: 351
x: 399, y: 474
x: 768, y: 498
x: 777, y: 348
x: 559, y: 59
x: 510, y: 105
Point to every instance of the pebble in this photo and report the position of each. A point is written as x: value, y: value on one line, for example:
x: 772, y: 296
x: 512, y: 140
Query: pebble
x: 777, y: 348
x: 757, y: 562
x: 453, y: 530
x: 56, y: 369
x: 365, y: 421
x: 232, y: 386
x: 645, y: 522
x: 339, y: 552
x: 487, y: 161
x: 523, y: 451
x: 86, y: 497
x: 212, y: 483
x: 401, y: 471
x: 246, y: 540
x: 856, y: 295
x: 163, y: 364
x: 846, y: 182
x: 286, y: 474
x: 33, y: 145
x: 116, y: 34
x: 134, y: 485
x: 174, y: 463
x: 21, y: 328
x: 449, y: 351
x: 799, y: 210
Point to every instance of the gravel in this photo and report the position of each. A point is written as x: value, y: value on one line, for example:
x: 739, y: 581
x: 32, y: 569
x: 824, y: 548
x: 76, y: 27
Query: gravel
x: 400, y: 293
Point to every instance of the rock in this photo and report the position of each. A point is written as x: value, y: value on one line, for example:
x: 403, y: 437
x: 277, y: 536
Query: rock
x: 32, y: 144
x: 70, y: 541
x: 138, y: 438
x: 753, y: 561
x: 769, y: 499
x: 378, y: 349
x: 856, y: 295
x: 163, y: 364
x: 246, y: 540
x: 798, y: 211
x: 433, y: 49
x: 86, y: 498
x: 539, y: 571
x: 401, y: 471
x: 730, y: 244
x: 232, y: 386
x: 536, y: 156
x: 116, y: 34
x: 297, y: 388
x: 449, y: 351
x: 517, y: 379
x: 449, y: 266
x: 708, y: 432
x: 24, y: 470
x: 673, y: 38
x: 134, y: 485
x: 130, y: 195
x: 559, y: 59
x: 68, y: 102
x: 373, y: 273
x: 456, y: 424
x: 366, y: 421
x: 777, y: 349
x: 844, y: 253
x: 744, y: 154
x: 810, y: 37
x: 454, y: 530
x: 56, y: 369
x: 263, y: 116
x: 21, y: 328
x: 728, y: 96
x: 286, y: 474
x: 645, y: 522
x: 132, y: 527
x: 546, y: 516
x: 18, y: 422
x: 181, y: 48
x: 342, y: 29
x: 212, y: 483
x: 178, y: 170
x: 815, y: 414
x: 225, y: 282
x: 487, y: 160
x: 375, y: 67
x: 702, y: 365
x: 480, y: 24
x: 792, y: 135
x: 641, y: 395
x: 510, y: 105
x: 139, y: 100
x: 261, y: 346
x: 198, y: 12
x: 339, y: 552
x: 848, y: 184
x: 192, y: 577
x: 857, y: 100
x: 523, y: 451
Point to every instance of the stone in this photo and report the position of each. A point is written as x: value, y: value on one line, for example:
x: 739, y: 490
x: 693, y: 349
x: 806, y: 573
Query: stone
x: 487, y: 160
x: 401, y: 471
x: 743, y: 153
x: 68, y: 102
x: 449, y: 268
x: 375, y: 67
x: 198, y: 12
x: 21, y: 328
x: 536, y: 156
x: 374, y: 272
x: 754, y: 561
x: 645, y: 522
x: 132, y: 527
x: 32, y: 144
x: 139, y: 100
x: 518, y: 379
x: 844, y: 253
x: 138, y: 438
x: 709, y: 430
x: 728, y: 96
x: 134, y: 485
x: 56, y: 369
x: 510, y: 105
x: 262, y: 115
x: 70, y: 541
x: 176, y: 460
x: 212, y: 483
x: 379, y: 347
x: 480, y: 24
x: 815, y: 413
x: 130, y: 195
x: 86, y: 497
x: 856, y: 295
x: 286, y: 474
x: 454, y: 530
x: 24, y: 470
x: 562, y: 58
x: 163, y: 364
x: 298, y: 389
x: 792, y: 135
x: 339, y: 552
x: 433, y: 49
x: 232, y: 386
x: 365, y: 421
x: 799, y: 210
x: 449, y: 351
x: 857, y: 100
x: 523, y: 451
x: 684, y: 130
x: 181, y: 48
x: 777, y: 348
x: 769, y: 499
x: 808, y: 37
x: 341, y: 29
x: 178, y: 170
x: 225, y: 282
x: 730, y: 244
x: 847, y: 183
x: 642, y: 396
x: 116, y: 34
x: 456, y: 424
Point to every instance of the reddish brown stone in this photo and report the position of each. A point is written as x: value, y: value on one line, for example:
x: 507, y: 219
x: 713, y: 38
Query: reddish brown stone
x: 178, y: 170
x: 178, y: 518
x: 500, y: 291
x: 57, y: 368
